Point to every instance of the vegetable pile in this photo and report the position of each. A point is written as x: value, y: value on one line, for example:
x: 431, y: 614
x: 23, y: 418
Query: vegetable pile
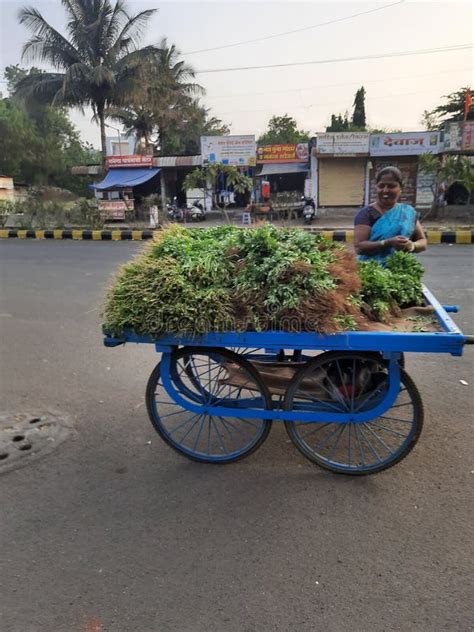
x: 233, y: 279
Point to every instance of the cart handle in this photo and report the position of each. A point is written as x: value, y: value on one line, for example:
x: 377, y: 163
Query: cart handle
x: 469, y: 340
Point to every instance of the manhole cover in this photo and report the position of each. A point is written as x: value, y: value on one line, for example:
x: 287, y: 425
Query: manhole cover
x: 26, y: 436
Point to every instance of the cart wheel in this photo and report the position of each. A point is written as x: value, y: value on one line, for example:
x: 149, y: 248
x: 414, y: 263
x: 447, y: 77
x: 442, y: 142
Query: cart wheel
x: 353, y: 382
x: 209, y: 376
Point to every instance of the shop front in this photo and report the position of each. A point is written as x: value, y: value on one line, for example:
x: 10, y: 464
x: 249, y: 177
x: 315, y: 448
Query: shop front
x: 402, y: 150
x: 339, y: 166
x: 284, y: 167
x: 128, y: 179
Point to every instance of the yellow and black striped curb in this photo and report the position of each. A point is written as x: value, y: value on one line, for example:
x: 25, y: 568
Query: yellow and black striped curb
x: 434, y: 236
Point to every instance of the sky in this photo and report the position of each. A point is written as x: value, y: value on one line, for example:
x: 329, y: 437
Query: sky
x: 398, y: 88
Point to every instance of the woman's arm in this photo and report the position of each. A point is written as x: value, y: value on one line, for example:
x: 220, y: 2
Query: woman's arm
x: 363, y: 246
x: 418, y: 242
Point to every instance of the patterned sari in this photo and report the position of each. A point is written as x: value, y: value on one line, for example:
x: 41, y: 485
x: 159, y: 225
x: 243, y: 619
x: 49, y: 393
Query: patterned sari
x: 399, y: 220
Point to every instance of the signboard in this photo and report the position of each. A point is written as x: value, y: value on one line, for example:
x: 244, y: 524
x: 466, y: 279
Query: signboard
x: 425, y: 185
x: 468, y: 136
x: 136, y: 160
x: 282, y: 153
x: 404, y: 144
x: 114, y: 209
x: 229, y: 150
x: 453, y: 137
x: 343, y: 144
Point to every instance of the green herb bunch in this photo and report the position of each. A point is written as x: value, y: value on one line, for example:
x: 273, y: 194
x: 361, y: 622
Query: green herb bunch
x: 387, y: 289
x: 193, y: 281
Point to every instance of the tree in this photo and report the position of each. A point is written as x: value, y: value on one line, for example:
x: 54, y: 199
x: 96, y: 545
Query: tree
x: 204, y: 177
x: 41, y: 149
x: 357, y: 123
x: 451, y: 111
x: 169, y: 89
x: 446, y: 171
x: 98, y: 66
x: 184, y: 135
x: 283, y: 129
x: 338, y: 123
x: 358, y: 116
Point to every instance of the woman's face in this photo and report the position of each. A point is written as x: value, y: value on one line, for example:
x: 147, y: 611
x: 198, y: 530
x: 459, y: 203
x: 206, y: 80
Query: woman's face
x: 388, y: 190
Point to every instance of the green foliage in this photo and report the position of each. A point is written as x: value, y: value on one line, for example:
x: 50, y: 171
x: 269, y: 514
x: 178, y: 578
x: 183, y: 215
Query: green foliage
x: 221, y: 278
x: 357, y: 123
x: 183, y: 136
x: 339, y: 123
x: 450, y: 111
x: 358, y: 116
x: 38, y: 213
x: 201, y: 176
x: 283, y: 129
x: 396, y: 285
x: 449, y: 169
x: 39, y: 147
x: 97, y: 65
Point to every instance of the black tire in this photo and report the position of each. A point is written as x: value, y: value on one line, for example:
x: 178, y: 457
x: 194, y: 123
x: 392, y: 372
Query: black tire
x: 409, y: 429
x: 191, y: 391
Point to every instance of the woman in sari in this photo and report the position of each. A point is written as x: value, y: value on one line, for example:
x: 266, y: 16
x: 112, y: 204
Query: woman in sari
x: 387, y: 225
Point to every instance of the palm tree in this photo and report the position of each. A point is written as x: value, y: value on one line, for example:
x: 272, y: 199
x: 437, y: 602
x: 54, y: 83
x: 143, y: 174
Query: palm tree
x: 170, y: 88
x: 98, y: 66
x: 139, y: 121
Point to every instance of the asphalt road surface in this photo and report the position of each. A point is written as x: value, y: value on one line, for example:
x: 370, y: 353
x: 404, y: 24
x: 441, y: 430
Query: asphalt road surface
x: 115, y: 532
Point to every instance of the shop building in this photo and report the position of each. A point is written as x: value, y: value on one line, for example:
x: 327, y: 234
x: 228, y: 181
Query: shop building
x: 128, y: 179
x: 285, y: 167
x: 339, y: 168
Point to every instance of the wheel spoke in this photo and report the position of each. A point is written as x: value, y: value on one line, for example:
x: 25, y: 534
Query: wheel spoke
x: 390, y: 430
x: 218, y: 435
x: 184, y: 423
x: 374, y: 434
x: 369, y: 445
x: 329, y: 457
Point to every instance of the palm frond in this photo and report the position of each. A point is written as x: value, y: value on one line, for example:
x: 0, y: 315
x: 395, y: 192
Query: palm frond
x: 47, y: 44
x: 131, y: 31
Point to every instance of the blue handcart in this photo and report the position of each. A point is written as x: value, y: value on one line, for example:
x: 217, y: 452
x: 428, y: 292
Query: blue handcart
x: 345, y: 399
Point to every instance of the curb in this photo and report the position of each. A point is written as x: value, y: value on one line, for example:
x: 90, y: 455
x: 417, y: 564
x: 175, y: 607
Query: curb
x: 433, y: 236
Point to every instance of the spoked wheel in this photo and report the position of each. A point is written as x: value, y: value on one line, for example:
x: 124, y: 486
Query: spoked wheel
x: 346, y: 382
x: 209, y: 377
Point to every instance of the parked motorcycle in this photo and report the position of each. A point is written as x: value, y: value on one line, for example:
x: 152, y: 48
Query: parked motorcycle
x: 195, y: 212
x: 309, y: 210
x: 175, y: 214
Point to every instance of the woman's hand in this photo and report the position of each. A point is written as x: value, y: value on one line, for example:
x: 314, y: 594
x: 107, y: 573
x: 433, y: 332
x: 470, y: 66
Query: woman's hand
x: 399, y: 243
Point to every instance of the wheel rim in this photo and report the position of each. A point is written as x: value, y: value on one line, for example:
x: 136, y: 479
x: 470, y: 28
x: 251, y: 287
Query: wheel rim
x: 214, y: 378
x: 338, y: 386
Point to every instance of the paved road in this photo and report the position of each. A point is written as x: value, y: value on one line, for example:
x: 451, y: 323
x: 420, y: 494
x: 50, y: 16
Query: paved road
x: 112, y: 533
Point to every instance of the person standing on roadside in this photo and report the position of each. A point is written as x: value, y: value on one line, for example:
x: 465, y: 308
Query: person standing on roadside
x: 387, y: 225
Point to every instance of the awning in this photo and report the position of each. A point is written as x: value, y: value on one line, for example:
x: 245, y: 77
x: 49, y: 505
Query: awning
x: 124, y: 178
x: 279, y: 169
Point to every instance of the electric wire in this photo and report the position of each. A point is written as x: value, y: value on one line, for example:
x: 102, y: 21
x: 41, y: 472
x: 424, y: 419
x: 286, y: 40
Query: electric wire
x: 426, y: 51
x: 300, y: 30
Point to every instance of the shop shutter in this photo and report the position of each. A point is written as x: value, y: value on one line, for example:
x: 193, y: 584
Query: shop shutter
x: 341, y: 181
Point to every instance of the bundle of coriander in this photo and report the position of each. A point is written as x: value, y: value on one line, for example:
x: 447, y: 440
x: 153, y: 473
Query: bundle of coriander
x: 193, y: 281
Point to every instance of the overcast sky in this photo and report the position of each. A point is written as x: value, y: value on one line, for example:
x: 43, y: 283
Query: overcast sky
x: 398, y: 88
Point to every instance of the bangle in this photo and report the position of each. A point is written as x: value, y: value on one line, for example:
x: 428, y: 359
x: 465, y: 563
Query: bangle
x: 382, y: 243
x: 413, y: 247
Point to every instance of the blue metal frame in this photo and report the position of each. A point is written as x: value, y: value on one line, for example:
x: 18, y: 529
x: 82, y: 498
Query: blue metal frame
x: 450, y: 340
x: 284, y: 415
